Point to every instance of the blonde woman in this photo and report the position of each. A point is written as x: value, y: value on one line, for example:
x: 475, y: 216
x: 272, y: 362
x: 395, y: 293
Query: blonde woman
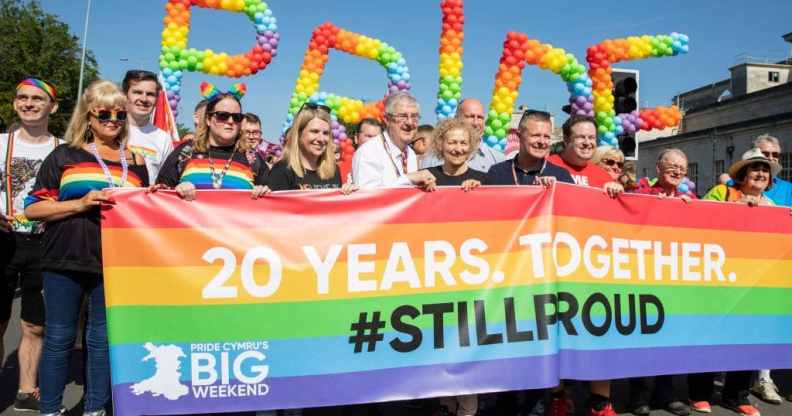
x: 216, y: 158
x: 453, y: 143
x: 67, y: 196
x: 308, y: 158
x: 611, y: 159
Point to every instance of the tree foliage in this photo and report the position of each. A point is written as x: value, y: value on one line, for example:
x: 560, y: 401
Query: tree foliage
x: 37, y: 44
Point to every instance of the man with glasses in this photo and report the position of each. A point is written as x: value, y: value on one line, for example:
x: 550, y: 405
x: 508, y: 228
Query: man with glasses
x: 580, y: 142
x: 154, y: 145
x: 390, y: 161
x: 23, y: 150
x: 781, y: 191
x: 471, y: 111
x: 251, y: 130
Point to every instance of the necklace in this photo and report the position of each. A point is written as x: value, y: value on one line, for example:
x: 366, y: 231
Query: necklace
x: 106, y: 170
x: 217, y: 178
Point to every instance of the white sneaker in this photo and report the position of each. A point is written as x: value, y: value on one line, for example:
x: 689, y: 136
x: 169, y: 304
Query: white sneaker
x: 767, y: 391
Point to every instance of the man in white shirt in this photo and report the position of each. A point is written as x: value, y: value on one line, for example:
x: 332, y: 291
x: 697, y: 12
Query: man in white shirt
x: 471, y: 111
x: 23, y: 151
x: 390, y: 161
x: 141, y: 89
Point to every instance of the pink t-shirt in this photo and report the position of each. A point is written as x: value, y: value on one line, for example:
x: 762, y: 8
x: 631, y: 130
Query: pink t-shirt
x: 588, y: 175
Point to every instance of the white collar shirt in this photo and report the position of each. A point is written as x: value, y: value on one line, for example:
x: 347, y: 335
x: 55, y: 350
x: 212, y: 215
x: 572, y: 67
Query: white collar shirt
x: 378, y: 163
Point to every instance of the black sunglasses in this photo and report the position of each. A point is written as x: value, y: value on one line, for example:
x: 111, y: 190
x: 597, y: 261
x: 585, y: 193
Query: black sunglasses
x: 223, y: 116
x: 313, y: 106
x: 611, y: 162
x: 105, y: 116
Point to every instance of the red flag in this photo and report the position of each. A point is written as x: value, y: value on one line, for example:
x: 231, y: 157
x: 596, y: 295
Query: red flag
x: 163, y: 116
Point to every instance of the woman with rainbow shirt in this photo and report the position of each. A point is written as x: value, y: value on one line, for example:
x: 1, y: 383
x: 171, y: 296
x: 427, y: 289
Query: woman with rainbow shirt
x: 67, y: 197
x: 216, y: 158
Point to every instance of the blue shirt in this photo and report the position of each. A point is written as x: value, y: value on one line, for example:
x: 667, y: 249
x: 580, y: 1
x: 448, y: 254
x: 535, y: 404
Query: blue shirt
x: 481, y: 160
x: 781, y: 192
x: 505, y: 172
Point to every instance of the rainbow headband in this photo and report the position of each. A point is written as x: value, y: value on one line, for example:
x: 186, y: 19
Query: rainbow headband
x: 210, y: 93
x: 42, y: 85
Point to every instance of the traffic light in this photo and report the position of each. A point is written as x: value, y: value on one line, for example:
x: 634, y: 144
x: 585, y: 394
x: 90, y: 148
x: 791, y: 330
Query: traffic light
x: 625, y: 100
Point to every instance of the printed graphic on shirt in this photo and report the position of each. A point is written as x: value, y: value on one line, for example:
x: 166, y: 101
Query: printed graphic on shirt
x: 580, y: 179
x: 198, y: 172
x: 146, y: 152
x: 24, y: 176
x: 81, y: 178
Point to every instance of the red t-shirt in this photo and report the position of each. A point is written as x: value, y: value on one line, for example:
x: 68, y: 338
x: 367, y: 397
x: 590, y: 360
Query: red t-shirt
x: 588, y: 175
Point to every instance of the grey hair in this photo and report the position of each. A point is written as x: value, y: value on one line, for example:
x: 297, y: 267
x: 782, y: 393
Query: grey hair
x: 667, y: 152
x: 766, y: 138
x: 397, y: 97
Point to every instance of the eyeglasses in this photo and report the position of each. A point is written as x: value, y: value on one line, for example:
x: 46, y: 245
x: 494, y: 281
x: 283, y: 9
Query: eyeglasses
x: 106, y: 116
x: 224, y: 116
x: 252, y: 133
x: 612, y: 162
x: 677, y: 168
x: 771, y: 155
x: 402, y: 117
x: 314, y: 106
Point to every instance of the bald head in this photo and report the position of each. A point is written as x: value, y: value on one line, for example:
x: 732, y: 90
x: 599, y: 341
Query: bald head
x: 471, y: 111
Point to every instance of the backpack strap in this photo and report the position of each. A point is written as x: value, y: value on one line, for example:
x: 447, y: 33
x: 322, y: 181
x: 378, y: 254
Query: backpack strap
x: 185, y: 155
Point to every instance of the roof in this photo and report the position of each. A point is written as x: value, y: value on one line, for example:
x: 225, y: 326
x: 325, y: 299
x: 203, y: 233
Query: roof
x: 775, y: 118
x: 737, y: 99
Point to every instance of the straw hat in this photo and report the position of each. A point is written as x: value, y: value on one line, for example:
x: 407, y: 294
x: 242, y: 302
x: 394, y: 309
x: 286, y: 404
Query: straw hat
x: 752, y: 156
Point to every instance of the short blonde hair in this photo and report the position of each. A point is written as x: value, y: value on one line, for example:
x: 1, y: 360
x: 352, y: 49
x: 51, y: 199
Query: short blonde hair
x: 605, y: 152
x: 291, y: 151
x: 100, y: 94
x: 450, y: 124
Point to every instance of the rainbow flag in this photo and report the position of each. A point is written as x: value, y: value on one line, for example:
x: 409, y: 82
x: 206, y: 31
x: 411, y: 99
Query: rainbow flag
x: 305, y: 299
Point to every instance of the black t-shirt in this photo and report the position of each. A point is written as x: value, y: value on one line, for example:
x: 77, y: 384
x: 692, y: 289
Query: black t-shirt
x: 185, y: 164
x: 283, y: 178
x: 74, y: 243
x: 445, y: 180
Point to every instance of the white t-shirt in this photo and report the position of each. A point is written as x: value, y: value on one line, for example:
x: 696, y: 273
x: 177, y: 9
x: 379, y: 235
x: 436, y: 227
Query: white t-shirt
x: 153, y: 144
x: 26, y: 161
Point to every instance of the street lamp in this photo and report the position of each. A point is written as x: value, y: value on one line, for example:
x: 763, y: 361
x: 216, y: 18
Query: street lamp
x: 84, y: 46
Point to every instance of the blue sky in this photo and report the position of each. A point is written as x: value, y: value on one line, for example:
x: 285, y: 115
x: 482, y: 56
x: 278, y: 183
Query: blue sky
x: 127, y: 34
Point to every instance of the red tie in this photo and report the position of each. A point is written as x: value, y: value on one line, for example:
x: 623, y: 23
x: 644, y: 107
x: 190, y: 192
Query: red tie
x: 404, y: 160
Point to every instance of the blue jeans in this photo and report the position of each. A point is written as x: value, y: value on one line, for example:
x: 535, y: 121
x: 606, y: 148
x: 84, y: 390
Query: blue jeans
x: 63, y: 292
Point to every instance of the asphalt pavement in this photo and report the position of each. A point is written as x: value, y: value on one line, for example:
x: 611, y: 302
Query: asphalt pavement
x: 73, y: 394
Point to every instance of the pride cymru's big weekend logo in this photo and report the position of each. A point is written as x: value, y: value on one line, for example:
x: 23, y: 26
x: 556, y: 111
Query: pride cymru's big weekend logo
x: 216, y: 370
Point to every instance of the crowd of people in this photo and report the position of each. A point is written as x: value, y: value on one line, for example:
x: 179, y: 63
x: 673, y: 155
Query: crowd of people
x: 53, y: 189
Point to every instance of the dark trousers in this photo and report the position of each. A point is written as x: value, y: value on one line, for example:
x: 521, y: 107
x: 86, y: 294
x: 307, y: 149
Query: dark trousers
x: 641, y: 393
x: 735, y: 389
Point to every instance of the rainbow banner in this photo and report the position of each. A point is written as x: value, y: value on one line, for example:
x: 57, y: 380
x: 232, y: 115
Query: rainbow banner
x: 315, y: 299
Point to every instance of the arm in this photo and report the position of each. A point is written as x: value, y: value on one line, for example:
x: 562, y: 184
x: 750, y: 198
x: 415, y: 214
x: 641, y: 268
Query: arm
x: 49, y: 210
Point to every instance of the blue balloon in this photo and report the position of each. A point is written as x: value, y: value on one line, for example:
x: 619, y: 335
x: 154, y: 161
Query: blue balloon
x: 683, y: 188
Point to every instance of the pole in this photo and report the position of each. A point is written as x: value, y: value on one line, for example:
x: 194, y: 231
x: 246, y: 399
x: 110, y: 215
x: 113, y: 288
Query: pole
x: 84, y: 46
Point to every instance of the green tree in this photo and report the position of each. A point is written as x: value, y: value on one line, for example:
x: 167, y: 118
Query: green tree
x: 37, y: 44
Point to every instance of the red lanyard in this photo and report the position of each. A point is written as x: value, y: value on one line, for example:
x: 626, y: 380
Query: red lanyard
x: 403, y: 157
x: 9, y: 176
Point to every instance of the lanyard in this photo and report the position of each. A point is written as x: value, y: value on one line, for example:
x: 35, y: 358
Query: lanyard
x: 121, y: 158
x: 9, y: 177
x: 390, y: 157
x: 514, y: 170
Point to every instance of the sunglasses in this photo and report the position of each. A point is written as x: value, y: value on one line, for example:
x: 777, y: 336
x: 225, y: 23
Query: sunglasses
x: 771, y: 155
x: 313, y: 106
x: 224, y: 116
x: 611, y: 162
x: 106, y: 116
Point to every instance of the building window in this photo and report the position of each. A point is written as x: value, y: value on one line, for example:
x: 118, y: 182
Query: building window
x: 773, y: 76
x: 786, y: 166
x: 718, y: 169
x: 693, y: 173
